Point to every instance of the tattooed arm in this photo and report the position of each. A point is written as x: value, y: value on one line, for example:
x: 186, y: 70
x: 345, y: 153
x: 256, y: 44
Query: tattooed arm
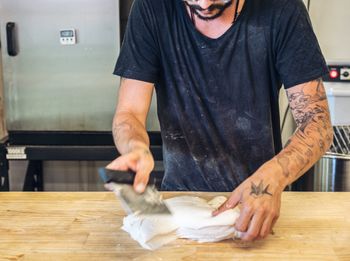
x: 129, y: 131
x: 314, y: 135
x: 260, y: 195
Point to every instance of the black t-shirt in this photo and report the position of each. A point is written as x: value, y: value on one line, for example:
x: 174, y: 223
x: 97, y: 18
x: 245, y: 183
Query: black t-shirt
x: 218, y: 98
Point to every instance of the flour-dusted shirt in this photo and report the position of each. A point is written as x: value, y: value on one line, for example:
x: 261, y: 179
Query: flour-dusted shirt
x: 218, y: 98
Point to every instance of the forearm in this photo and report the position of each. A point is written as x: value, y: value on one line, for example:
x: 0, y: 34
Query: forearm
x: 303, y: 149
x: 314, y: 134
x: 129, y: 132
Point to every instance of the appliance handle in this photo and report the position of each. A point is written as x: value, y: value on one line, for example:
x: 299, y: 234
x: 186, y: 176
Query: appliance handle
x: 11, y: 39
x: 335, y: 92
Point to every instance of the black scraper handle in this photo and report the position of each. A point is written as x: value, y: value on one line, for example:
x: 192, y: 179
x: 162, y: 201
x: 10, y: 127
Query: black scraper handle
x: 120, y: 177
x: 117, y: 176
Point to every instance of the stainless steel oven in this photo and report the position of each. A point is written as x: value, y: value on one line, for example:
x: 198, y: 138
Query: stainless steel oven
x: 332, y: 171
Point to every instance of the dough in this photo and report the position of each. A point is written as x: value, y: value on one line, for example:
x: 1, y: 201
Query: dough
x: 150, y: 231
x: 191, y: 218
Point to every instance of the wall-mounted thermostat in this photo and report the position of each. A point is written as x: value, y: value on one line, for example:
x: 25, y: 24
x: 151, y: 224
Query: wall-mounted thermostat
x: 68, y: 37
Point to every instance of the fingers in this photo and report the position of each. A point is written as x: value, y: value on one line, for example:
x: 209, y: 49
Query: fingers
x: 268, y: 225
x: 254, y: 227
x: 141, y: 180
x: 228, y: 204
x: 258, y: 224
x: 244, y: 218
x: 139, y: 162
x: 143, y: 170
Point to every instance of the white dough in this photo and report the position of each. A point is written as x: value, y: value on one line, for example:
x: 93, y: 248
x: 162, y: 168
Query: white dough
x: 151, y: 231
x: 191, y: 218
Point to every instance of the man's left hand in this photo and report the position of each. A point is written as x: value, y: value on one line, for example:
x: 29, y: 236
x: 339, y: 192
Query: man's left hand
x: 260, y: 199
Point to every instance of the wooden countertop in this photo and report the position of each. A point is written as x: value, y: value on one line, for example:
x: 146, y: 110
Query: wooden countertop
x: 86, y: 226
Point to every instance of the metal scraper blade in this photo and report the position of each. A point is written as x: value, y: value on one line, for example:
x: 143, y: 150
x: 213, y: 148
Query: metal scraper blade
x: 150, y: 202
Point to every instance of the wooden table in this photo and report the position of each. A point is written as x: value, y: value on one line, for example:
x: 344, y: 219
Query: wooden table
x: 86, y: 226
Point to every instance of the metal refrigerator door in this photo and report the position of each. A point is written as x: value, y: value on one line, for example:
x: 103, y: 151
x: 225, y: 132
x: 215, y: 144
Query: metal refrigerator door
x: 49, y: 86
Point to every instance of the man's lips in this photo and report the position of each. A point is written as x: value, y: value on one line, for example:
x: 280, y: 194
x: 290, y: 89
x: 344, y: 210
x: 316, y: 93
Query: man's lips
x: 206, y: 12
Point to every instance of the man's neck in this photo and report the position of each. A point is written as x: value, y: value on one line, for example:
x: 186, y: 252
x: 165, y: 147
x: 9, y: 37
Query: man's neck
x: 218, y: 26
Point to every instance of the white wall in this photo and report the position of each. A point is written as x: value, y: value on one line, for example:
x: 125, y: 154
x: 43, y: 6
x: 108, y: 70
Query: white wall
x: 331, y: 21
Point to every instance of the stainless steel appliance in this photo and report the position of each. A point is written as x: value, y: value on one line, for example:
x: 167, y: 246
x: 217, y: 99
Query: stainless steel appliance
x: 58, y: 58
x: 57, y: 62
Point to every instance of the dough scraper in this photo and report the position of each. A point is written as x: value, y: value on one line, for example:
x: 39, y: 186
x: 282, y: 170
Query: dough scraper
x: 149, y: 202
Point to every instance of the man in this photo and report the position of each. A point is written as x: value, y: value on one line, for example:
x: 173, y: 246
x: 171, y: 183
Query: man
x: 217, y: 67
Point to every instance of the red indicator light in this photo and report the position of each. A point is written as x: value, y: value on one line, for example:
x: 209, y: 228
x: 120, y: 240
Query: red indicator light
x: 333, y: 74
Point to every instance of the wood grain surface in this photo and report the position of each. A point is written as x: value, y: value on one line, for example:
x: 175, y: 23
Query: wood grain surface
x: 86, y: 226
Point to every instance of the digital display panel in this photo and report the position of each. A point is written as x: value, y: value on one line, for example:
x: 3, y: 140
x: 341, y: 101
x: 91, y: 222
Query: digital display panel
x: 67, y: 33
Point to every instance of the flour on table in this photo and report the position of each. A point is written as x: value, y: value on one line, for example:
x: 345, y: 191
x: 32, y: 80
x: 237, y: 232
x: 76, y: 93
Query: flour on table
x: 191, y: 219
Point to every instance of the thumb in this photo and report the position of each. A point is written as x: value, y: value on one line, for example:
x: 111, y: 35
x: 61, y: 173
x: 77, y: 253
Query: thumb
x: 120, y: 163
x: 228, y: 204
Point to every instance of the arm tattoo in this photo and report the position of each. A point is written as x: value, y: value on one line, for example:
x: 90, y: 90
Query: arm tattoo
x: 311, y: 116
x: 300, y: 100
x: 310, y: 111
x: 259, y: 191
x: 306, y: 107
x: 284, y: 162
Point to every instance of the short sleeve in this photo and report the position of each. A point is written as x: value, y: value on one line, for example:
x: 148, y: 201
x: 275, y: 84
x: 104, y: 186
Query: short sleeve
x: 139, y: 54
x: 297, y: 52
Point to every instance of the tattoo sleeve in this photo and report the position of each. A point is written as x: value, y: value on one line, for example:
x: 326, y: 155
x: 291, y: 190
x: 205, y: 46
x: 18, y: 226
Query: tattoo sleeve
x: 314, y: 135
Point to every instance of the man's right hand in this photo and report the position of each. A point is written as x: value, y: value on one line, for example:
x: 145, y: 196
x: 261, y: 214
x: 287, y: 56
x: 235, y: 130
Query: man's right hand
x: 141, y: 161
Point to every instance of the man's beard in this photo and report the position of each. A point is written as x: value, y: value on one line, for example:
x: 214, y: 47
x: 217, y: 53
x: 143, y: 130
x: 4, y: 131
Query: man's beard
x: 220, y: 7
